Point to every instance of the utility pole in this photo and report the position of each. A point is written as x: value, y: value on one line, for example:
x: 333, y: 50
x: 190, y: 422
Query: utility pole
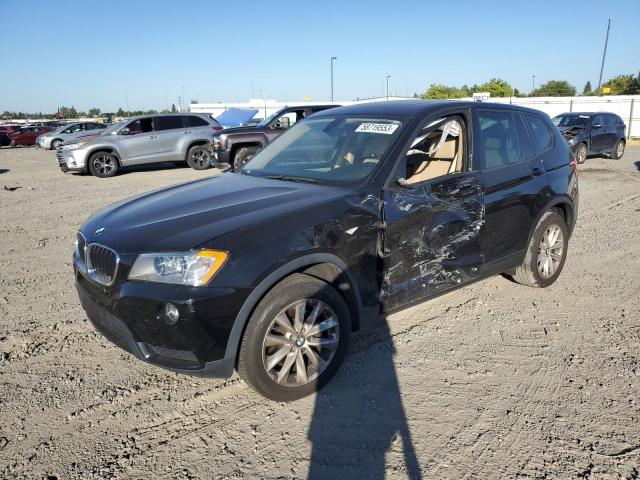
x: 533, y: 83
x: 332, y: 60
x: 604, y: 54
x: 388, y: 77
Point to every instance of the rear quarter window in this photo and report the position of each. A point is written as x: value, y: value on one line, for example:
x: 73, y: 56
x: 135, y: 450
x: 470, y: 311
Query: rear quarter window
x: 193, y: 121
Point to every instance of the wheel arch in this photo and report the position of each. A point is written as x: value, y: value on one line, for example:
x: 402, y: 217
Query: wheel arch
x: 563, y: 206
x: 192, y: 144
x: 237, y: 146
x: 103, y: 148
x: 323, y: 266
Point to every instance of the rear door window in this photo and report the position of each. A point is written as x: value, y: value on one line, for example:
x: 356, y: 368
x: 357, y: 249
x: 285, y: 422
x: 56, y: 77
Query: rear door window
x: 497, y: 139
x: 170, y: 122
x: 524, y: 141
x: 540, y: 132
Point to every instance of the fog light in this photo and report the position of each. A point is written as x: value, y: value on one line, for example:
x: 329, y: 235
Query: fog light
x: 171, y: 313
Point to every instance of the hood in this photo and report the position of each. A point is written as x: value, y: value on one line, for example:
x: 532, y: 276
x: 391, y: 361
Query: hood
x: 234, y: 117
x: 249, y: 129
x: 185, y: 216
x: 568, y: 129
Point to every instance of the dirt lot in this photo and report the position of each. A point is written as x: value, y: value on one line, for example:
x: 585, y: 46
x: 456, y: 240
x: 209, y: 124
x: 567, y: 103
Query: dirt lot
x: 493, y: 381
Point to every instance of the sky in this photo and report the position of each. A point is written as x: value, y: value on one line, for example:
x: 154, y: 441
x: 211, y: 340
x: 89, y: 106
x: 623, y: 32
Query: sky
x: 145, y: 54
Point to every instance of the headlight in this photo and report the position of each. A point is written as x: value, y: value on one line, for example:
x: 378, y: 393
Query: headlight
x: 193, y: 268
x: 572, y: 141
x: 74, y: 146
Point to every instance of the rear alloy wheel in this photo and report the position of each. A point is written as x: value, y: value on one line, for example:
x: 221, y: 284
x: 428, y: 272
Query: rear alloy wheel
x: 618, y: 150
x: 296, y: 339
x: 546, y: 253
x: 243, y: 155
x: 55, y: 144
x: 581, y: 153
x: 199, y: 157
x: 103, y: 165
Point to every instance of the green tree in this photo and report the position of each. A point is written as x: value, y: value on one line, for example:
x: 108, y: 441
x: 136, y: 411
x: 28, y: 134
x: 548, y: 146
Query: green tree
x: 623, y: 85
x: 120, y: 113
x: 442, y: 92
x: 496, y: 87
x: 173, y: 108
x: 555, y: 88
x: 94, y: 112
x: 587, y: 90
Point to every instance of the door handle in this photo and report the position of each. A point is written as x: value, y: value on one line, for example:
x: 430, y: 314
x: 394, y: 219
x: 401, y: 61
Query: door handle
x: 152, y: 136
x: 187, y: 131
x: 536, y: 172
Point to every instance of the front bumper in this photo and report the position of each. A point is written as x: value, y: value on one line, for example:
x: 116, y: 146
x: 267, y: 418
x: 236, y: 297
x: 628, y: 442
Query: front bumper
x: 222, y: 156
x: 72, y: 160
x: 129, y: 315
x: 42, y: 143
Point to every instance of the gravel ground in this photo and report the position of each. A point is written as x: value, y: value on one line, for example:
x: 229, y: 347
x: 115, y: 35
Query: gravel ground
x: 495, y: 380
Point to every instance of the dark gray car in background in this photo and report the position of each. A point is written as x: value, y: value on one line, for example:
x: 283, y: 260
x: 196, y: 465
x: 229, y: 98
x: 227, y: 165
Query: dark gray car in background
x: 592, y: 133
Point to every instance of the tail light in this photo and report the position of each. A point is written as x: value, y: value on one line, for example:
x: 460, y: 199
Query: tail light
x: 573, y: 163
x: 216, y: 129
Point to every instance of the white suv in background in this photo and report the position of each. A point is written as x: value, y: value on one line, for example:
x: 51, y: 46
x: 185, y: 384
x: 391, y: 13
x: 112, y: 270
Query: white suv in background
x: 171, y: 137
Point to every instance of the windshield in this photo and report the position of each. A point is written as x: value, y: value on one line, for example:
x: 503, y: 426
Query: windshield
x: 266, y: 121
x: 570, y: 120
x: 336, y: 149
x: 114, y: 128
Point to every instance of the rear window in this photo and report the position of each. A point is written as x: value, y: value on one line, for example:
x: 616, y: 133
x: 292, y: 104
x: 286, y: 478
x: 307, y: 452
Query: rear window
x: 167, y: 123
x: 540, y: 132
x: 193, y: 121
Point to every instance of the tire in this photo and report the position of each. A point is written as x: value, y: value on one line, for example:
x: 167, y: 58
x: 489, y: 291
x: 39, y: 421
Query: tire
x: 199, y: 157
x: 618, y: 150
x: 532, y: 272
x: 103, y: 165
x: 581, y: 153
x: 12, y: 144
x: 55, y: 143
x: 289, y: 347
x: 243, y: 155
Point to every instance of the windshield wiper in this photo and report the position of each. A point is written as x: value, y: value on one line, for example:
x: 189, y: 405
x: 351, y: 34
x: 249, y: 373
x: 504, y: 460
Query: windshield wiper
x: 291, y: 178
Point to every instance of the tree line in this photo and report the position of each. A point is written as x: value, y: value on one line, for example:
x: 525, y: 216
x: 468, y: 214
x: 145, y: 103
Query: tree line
x: 71, y: 112
x: 619, y: 85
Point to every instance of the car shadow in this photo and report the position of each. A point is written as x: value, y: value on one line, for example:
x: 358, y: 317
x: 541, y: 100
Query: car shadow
x: 637, y: 164
x: 152, y: 167
x: 4, y: 170
x: 359, y: 416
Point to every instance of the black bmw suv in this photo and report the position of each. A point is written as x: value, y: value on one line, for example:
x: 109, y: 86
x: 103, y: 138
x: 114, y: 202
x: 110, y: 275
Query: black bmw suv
x: 593, y: 132
x: 354, y: 211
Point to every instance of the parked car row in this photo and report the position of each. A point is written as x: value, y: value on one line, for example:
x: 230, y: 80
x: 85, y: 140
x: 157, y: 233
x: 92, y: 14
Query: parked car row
x: 355, y: 211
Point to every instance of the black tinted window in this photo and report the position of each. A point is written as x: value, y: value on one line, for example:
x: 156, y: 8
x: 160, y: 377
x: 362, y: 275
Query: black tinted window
x: 498, y: 140
x: 540, y: 132
x: 167, y: 123
x: 526, y: 147
x: 611, y: 119
x: 193, y: 121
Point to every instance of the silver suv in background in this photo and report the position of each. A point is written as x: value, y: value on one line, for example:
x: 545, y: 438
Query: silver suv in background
x: 52, y: 140
x: 171, y: 137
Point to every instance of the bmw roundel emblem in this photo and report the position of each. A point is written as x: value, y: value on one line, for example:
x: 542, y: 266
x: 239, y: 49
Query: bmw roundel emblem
x: 99, y: 231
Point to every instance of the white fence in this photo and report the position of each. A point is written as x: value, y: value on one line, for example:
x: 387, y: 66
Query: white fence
x: 627, y: 106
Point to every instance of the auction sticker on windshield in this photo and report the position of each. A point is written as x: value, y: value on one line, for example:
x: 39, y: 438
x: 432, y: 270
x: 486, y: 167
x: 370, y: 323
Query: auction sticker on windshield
x: 384, y: 128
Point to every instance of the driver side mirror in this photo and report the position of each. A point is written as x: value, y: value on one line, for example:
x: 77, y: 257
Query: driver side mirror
x: 124, y: 131
x: 283, y: 123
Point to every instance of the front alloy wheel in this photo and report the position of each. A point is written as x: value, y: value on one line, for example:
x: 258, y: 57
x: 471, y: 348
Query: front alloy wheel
x: 301, y: 342
x: 296, y: 338
x: 581, y: 153
x: 103, y: 165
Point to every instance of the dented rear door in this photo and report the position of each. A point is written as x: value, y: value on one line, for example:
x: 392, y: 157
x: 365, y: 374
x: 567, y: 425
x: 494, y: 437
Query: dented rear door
x: 431, y: 237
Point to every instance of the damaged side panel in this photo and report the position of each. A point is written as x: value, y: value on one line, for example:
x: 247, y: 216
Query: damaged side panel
x: 431, y: 238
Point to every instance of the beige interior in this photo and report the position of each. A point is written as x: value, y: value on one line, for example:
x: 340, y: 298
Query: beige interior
x: 445, y: 160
